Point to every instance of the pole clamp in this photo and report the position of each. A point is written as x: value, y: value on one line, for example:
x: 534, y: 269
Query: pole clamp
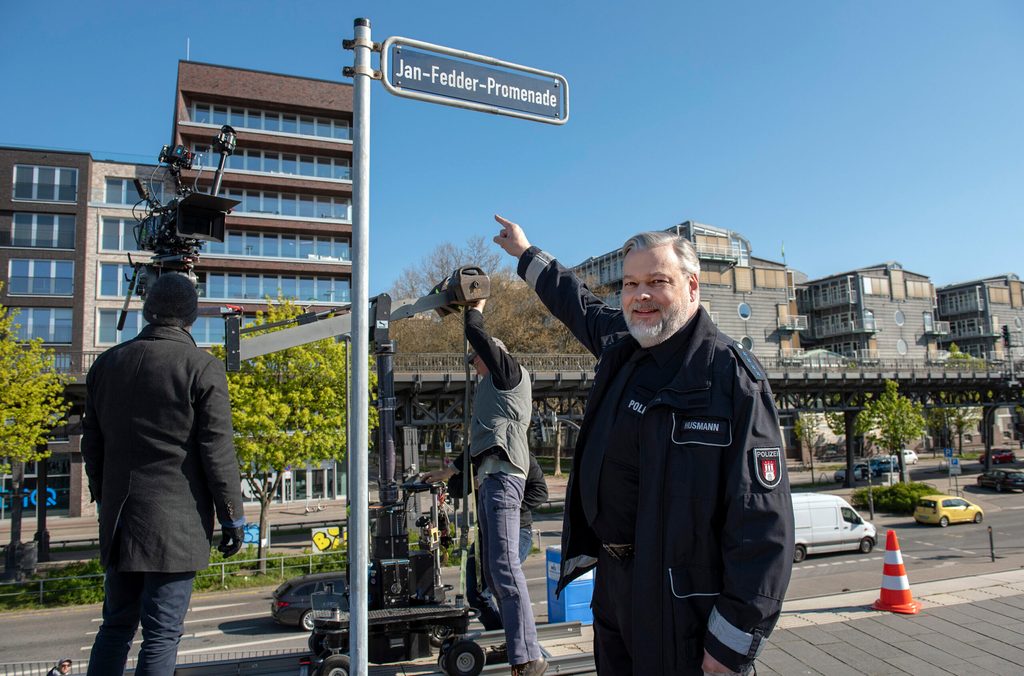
x: 352, y: 71
x: 350, y: 43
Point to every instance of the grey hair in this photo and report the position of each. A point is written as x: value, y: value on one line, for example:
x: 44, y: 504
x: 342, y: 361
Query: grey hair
x: 684, y: 249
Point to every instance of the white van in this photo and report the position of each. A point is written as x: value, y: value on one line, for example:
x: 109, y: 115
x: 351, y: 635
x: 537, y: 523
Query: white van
x: 827, y: 523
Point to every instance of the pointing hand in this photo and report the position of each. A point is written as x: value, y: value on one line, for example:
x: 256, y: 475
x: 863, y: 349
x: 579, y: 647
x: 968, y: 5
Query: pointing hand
x: 511, y: 237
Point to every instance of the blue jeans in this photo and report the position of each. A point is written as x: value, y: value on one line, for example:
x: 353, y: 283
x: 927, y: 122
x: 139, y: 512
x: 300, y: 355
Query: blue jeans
x: 501, y: 496
x: 159, y: 601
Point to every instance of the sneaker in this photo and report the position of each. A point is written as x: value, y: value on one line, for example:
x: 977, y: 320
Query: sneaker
x: 535, y: 668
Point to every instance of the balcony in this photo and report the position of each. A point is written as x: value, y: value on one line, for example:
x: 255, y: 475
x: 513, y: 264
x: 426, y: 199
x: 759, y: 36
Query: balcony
x: 820, y: 301
x: 792, y: 323
x: 866, y: 356
x: 961, y: 305
x: 972, y: 332
x: 826, y: 330
x: 938, y: 328
x: 718, y: 253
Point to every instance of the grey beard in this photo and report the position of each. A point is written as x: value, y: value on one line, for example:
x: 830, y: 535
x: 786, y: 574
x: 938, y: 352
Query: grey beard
x: 649, y: 336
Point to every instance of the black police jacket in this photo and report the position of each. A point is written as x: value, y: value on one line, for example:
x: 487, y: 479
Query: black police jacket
x: 714, y: 535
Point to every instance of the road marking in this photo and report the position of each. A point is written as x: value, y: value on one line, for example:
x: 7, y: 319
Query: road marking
x: 302, y: 638
x: 245, y: 616
x: 194, y: 609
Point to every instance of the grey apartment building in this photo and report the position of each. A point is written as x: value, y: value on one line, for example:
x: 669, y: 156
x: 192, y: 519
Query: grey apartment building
x: 879, y: 312
x: 751, y: 299
x: 67, y: 229
x: 977, y: 311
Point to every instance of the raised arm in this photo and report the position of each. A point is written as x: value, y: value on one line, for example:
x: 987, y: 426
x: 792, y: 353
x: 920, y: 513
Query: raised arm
x: 594, y: 323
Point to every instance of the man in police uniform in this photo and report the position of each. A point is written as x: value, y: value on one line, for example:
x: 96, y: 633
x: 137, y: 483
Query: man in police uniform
x: 678, y: 492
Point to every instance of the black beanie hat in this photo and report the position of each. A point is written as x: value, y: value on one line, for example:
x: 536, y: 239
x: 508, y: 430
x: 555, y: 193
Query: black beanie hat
x: 171, y: 301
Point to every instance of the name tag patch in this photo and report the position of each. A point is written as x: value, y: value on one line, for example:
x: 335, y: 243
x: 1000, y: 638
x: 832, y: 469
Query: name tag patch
x: 701, y: 430
x: 768, y: 466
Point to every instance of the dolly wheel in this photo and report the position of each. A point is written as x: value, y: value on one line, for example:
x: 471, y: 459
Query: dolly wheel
x: 464, y: 658
x: 335, y: 665
x: 316, y: 644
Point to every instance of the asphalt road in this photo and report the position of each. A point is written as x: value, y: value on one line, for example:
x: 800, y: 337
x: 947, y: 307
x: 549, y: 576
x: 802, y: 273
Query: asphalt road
x: 239, y: 621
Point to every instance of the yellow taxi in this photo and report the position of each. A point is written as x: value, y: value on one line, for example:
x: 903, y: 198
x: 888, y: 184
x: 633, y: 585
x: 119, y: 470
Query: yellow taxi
x: 946, y: 509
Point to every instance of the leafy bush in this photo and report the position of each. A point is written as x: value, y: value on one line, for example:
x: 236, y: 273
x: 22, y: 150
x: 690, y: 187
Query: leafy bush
x: 897, y: 499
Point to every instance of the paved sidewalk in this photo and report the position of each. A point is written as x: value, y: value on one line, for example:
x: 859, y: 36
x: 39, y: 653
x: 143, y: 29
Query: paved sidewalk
x: 969, y: 626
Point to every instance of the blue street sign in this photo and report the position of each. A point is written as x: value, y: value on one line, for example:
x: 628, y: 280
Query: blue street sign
x: 417, y: 70
x: 948, y: 452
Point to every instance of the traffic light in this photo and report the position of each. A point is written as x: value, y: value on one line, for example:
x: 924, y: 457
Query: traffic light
x: 1006, y: 336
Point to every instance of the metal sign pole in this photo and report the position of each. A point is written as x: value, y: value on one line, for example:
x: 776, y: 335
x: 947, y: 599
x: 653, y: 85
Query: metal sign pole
x: 359, y: 534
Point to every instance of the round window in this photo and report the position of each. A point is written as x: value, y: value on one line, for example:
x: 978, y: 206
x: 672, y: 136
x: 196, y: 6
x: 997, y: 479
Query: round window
x: 901, y: 346
x: 744, y: 311
x: 747, y: 342
x: 899, y: 317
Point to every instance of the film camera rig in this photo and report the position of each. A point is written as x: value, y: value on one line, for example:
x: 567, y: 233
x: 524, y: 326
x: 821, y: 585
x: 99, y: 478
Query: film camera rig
x: 409, y: 611
x: 175, y: 231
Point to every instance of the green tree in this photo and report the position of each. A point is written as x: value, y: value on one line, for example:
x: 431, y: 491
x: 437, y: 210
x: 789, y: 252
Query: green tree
x: 288, y: 409
x: 806, y: 430
x: 31, y: 403
x: 891, y: 421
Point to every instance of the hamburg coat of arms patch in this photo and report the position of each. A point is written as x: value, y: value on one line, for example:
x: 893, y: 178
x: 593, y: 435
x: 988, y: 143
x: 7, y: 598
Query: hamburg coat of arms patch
x: 768, y: 466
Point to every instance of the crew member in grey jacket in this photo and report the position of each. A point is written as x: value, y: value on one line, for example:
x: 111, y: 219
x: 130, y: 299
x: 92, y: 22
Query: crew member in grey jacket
x: 158, y: 450
x: 501, y: 458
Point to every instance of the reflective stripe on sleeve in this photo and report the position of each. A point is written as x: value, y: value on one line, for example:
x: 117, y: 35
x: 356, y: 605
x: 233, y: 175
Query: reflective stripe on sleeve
x: 536, y: 266
x: 734, y: 639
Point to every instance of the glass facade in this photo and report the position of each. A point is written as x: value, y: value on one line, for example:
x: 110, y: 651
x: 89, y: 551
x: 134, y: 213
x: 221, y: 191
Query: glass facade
x: 122, y: 191
x: 278, y: 164
x: 289, y: 204
x: 238, y: 286
x: 268, y: 120
x: 239, y: 244
x: 40, y: 231
x: 45, y: 184
x: 52, y: 324
x: 117, y: 234
x: 58, y: 489
x: 28, y: 277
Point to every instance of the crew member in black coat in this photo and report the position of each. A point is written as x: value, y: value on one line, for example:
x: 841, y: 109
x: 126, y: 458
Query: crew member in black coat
x: 159, y: 453
x: 678, y: 492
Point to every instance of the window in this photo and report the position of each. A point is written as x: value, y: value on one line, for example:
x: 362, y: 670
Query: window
x: 120, y: 191
x: 219, y: 286
x: 901, y: 347
x: 876, y: 286
x: 918, y: 289
x: 52, y: 324
x: 45, y: 184
x: 748, y: 343
x: 40, y: 231
x: 41, y: 277
x: 999, y: 294
x: 208, y: 331
x: 117, y: 234
x: 899, y: 318
x: 744, y: 311
x: 278, y: 204
x: 114, y: 280
x: 266, y: 120
x: 928, y: 321
x: 107, y: 333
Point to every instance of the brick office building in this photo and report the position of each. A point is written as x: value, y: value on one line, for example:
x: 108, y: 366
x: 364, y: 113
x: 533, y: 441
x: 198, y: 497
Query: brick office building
x: 67, y: 220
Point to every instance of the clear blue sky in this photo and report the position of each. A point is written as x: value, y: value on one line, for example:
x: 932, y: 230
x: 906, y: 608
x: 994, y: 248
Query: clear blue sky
x: 855, y: 132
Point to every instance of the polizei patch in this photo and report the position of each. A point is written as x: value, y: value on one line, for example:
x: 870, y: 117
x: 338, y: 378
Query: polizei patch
x: 768, y: 466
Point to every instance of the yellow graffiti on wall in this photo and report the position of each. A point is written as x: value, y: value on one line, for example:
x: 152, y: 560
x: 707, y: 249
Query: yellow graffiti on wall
x: 329, y: 539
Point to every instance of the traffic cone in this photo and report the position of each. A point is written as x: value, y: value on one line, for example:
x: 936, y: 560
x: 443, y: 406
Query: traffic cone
x: 895, y: 594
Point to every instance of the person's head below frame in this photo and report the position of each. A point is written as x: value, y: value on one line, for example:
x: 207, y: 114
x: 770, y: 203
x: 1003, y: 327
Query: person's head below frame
x: 660, y: 285
x: 476, y: 362
x: 64, y: 666
x: 171, y: 301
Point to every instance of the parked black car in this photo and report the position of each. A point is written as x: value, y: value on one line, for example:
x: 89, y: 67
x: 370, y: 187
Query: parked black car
x: 1002, y: 480
x: 291, y: 604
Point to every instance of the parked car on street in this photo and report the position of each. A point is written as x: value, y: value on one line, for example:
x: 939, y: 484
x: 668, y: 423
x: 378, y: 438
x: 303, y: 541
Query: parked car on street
x: 1002, y: 480
x: 946, y: 509
x: 999, y: 455
x: 291, y: 603
x: 909, y: 457
x: 860, y: 472
x: 884, y: 464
